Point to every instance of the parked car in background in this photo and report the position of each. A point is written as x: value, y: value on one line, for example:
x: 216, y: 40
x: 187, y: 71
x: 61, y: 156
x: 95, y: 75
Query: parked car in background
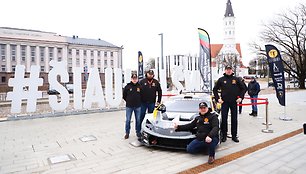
x: 270, y: 84
x: 69, y: 88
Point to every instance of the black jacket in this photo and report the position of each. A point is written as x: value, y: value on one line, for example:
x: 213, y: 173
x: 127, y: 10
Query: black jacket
x: 132, y: 95
x: 253, y: 88
x: 231, y: 87
x: 149, y: 89
x: 206, y: 125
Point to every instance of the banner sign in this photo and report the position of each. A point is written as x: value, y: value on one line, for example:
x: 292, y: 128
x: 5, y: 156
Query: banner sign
x: 205, y: 60
x: 276, y: 68
x: 140, y: 65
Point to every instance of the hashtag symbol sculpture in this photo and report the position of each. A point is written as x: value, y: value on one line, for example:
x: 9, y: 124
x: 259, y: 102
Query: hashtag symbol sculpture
x: 18, y: 94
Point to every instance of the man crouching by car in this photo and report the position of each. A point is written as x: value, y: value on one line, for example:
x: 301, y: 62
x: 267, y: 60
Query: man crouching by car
x: 207, y: 126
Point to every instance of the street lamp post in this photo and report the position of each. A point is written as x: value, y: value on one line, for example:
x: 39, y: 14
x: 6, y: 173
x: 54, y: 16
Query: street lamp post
x: 162, y: 47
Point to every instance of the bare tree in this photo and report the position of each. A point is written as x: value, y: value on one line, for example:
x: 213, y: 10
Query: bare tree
x: 288, y: 32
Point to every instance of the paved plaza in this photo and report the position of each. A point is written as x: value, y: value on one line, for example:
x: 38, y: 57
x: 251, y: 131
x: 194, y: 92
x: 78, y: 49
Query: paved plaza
x: 94, y: 143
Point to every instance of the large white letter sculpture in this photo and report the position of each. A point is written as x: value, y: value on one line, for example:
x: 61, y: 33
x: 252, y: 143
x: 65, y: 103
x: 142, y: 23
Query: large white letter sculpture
x: 18, y: 94
x: 113, y: 102
x: 59, y: 69
x: 94, y: 92
x: 176, y: 74
x: 77, y: 88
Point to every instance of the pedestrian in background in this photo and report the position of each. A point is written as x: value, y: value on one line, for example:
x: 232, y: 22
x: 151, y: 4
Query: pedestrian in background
x: 150, y: 87
x: 253, y: 91
x: 132, y: 97
x: 232, y: 92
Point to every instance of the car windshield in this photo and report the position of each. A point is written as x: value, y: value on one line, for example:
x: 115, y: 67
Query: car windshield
x: 183, y: 105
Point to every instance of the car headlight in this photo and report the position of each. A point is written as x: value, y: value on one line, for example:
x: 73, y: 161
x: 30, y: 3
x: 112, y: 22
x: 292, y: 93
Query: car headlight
x: 149, y: 124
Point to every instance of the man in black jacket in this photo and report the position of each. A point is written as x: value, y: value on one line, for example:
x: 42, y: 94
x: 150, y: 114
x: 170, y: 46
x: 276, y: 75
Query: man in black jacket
x: 132, y: 97
x: 149, y: 87
x: 207, y: 125
x: 232, y: 92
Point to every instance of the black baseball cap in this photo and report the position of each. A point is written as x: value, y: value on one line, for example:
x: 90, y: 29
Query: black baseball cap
x: 151, y: 72
x: 202, y: 105
x: 134, y: 76
x: 228, y: 67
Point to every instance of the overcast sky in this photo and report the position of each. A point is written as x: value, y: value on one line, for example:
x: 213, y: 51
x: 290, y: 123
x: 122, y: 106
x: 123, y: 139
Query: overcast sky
x: 135, y: 24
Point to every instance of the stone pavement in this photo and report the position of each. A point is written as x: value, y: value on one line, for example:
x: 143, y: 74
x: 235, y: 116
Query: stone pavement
x: 28, y: 146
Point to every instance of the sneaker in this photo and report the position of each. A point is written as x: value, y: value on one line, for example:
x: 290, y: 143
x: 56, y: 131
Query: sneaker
x: 235, y: 139
x: 126, y: 136
x: 211, y: 159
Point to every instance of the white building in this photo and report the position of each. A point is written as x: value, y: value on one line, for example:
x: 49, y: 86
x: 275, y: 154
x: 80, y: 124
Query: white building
x: 33, y: 47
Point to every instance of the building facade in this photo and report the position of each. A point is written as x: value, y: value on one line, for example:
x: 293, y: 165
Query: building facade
x: 33, y: 47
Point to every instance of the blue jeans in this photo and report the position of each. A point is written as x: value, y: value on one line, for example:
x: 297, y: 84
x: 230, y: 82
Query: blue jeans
x: 144, y: 107
x: 196, y: 146
x: 254, y: 107
x: 224, y: 113
x: 128, y: 114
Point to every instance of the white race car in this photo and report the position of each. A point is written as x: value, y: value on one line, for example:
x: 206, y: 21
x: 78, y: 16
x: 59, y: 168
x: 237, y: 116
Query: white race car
x: 158, y: 127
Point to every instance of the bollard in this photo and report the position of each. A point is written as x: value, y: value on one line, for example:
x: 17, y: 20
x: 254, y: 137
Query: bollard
x: 267, y: 130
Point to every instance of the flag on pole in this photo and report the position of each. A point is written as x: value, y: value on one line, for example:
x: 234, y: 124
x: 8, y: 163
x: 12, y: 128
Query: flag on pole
x: 140, y: 65
x: 276, y: 68
x: 205, y: 60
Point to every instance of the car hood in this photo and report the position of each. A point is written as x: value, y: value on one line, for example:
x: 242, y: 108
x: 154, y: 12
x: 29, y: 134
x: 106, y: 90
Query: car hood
x: 163, y: 123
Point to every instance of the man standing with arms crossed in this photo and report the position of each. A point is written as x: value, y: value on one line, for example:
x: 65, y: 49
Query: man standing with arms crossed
x: 149, y: 87
x: 232, y: 92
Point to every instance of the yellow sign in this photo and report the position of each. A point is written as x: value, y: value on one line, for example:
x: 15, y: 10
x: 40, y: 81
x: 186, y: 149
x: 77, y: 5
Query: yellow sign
x: 140, y: 59
x: 273, y: 53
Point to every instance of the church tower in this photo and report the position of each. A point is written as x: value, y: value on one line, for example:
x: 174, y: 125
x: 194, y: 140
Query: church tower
x: 228, y: 53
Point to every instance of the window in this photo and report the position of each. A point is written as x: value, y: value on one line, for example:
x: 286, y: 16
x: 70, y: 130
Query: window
x: 229, y: 23
x: 84, y: 52
x: 105, y: 62
x: 42, y: 54
x: 174, y: 60
x: 59, y: 50
x: 229, y: 32
x: 84, y: 61
x: 33, y: 54
x: 178, y: 60
x: 13, y: 68
x: 111, y: 54
x: 42, y: 68
x: 70, y: 60
x: 3, y: 79
x: 3, y: 69
x: 92, y: 53
x: 99, y: 69
x: 70, y: 69
x: 50, y: 53
x: 77, y: 52
x: 78, y: 61
x: 99, y: 61
x: 105, y: 54
x: 69, y: 51
x: 59, y: 59
x: 91, y: 61
x: 23, y: 52
x: 99, y: 53
x: 13, y: 52
x: 3, y: 52
x: 112, y: 62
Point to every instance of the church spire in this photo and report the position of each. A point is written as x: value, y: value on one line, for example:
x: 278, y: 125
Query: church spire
x: 229, y: 10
